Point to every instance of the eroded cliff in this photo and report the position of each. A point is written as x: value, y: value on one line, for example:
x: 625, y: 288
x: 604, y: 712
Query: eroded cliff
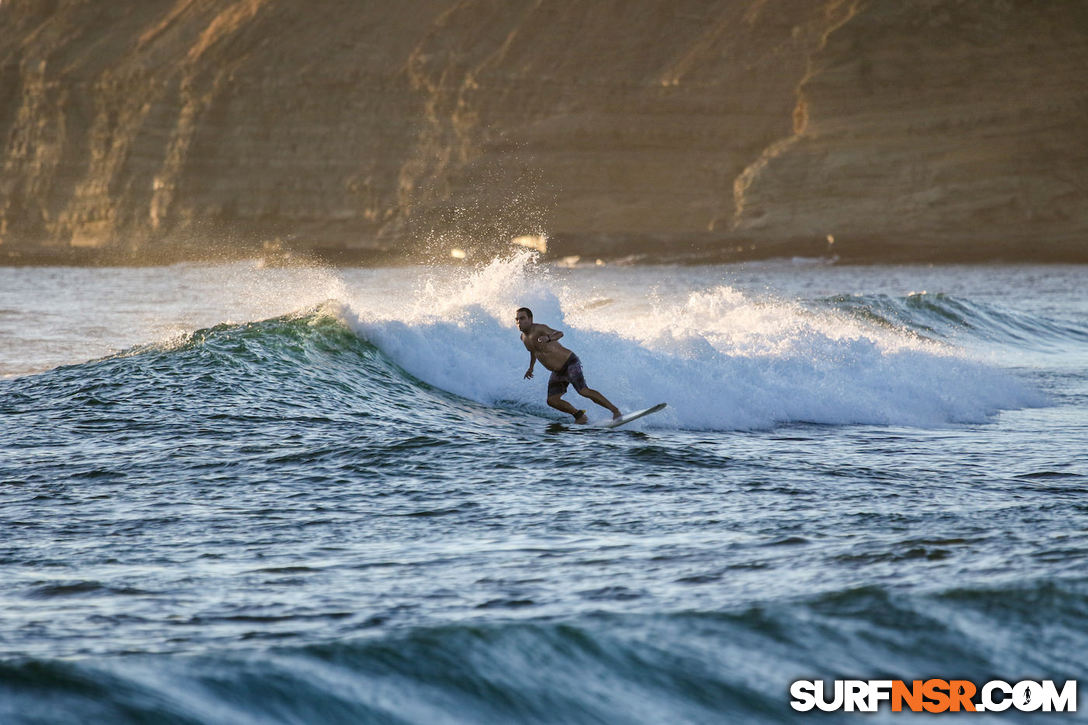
x: 701, y: 130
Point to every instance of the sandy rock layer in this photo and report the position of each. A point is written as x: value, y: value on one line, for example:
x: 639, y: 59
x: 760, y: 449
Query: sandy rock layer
x: 678, y: 131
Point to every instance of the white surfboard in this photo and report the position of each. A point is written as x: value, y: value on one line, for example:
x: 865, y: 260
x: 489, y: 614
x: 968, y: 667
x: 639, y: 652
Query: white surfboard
x: 627, y: 418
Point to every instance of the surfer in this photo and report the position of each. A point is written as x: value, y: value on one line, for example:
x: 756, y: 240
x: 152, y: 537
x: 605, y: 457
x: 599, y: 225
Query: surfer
x: 541, y: 342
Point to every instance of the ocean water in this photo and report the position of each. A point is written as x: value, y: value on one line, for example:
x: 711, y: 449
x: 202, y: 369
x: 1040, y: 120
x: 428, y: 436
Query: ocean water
x: 231, y: 494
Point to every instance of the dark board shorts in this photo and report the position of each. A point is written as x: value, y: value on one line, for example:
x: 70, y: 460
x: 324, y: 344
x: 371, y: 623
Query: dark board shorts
x: 569, y: 374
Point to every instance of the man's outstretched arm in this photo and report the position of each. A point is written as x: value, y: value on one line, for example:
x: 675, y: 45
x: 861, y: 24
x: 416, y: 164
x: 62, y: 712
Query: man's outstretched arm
x: 532, y: 362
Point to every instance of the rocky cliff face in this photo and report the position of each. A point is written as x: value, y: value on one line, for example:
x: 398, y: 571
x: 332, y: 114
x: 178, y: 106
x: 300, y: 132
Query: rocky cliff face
x: 936, y: 130
x: 703, y: 130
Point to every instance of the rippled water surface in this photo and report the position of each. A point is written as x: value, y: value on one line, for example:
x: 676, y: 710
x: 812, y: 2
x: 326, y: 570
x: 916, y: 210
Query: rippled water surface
x: 231, y: 494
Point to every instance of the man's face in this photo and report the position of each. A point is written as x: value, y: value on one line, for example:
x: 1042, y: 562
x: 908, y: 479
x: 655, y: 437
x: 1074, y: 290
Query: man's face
x: 524, y: 321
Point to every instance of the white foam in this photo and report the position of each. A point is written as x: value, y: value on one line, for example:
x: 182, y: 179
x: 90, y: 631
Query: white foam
x: 722, y: 359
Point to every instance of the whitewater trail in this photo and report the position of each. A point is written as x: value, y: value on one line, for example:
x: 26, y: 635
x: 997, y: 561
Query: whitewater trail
x: 721, y: 359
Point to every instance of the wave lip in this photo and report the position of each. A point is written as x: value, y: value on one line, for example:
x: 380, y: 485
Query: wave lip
x: 947, y: 316
x: 722, y: 359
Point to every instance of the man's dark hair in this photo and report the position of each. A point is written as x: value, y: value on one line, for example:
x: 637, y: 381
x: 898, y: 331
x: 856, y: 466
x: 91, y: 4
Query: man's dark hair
x: 526, y: 310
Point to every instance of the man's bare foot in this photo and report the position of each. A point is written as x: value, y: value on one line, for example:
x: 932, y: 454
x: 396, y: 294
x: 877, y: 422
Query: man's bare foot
x: 616, y: 415
x: 580, y: 417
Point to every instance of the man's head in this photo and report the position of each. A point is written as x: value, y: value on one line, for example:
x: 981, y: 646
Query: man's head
x: 524, y: 317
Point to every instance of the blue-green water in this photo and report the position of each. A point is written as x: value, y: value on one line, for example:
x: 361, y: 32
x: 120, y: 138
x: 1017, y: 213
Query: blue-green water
x: 232, y: 495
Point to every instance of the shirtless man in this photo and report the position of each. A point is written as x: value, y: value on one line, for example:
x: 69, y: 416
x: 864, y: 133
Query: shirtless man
x: 540, y: 341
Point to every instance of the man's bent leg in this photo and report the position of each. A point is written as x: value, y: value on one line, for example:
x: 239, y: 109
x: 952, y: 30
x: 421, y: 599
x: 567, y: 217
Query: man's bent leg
x: 599, y: 400
x: 558, y: 403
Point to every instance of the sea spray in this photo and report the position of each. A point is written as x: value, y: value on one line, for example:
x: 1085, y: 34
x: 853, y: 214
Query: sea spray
x: 721, y: 358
